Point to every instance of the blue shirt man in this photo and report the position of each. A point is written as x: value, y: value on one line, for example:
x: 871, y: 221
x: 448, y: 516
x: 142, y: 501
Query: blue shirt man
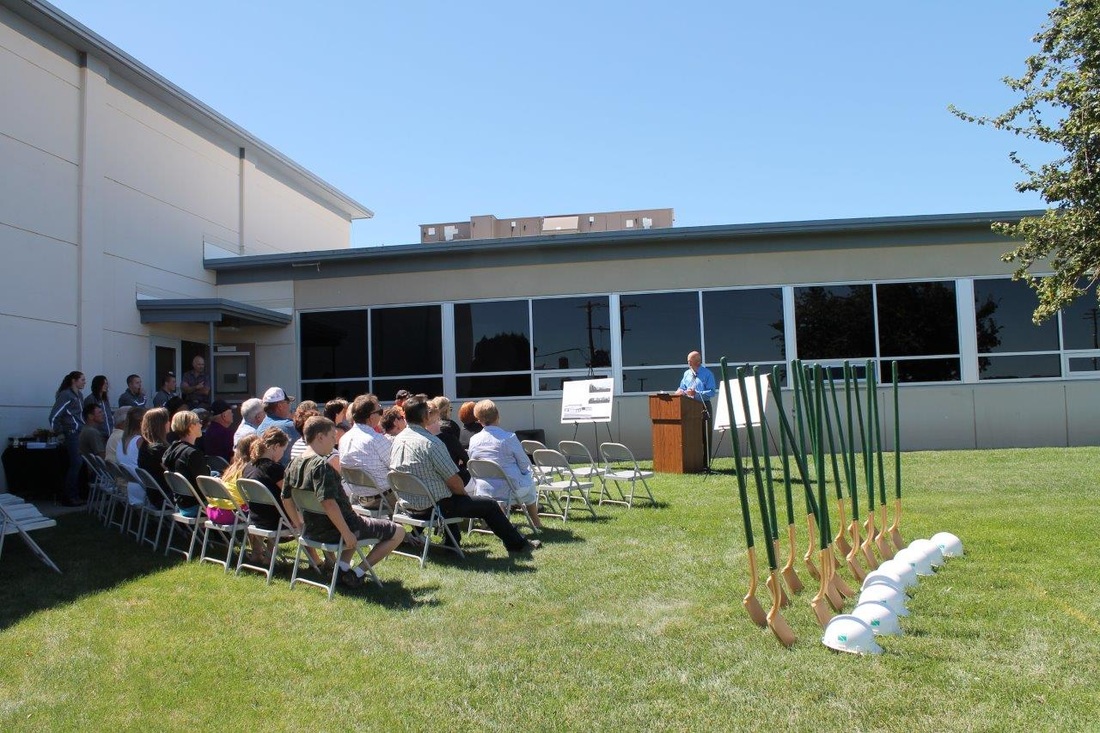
x: 277, y: 406
x: 697, y: 382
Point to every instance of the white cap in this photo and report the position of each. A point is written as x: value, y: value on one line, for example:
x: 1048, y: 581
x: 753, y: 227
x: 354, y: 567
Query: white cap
x: 276, y: 394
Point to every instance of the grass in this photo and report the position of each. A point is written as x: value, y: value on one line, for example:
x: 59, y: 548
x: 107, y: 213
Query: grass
x: 629, y: 621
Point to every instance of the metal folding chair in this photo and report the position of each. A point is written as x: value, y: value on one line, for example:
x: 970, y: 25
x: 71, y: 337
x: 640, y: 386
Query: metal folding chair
x: 255, y: 493
x: 486, y: 470
x: 414, y: 497
x: 565, y: 490
x: 182, y: 489
x: 621, y: 467
x: 308, y: 503
x: 584, y: 466
x: 150, y: 511
x: 213, y: 488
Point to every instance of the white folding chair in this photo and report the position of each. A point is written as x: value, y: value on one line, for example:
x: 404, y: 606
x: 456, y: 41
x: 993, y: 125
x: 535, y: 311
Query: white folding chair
x: 182, y: 489
x: 213, y: 489
x: 100, y: 486
x: 308, y: 503
x: 121, y: 497
x: 539, y: 472
x: 621, y: 468
x: 487, y: 470
x: 413, y: 496
x: 362, y: 485
x: 580, y: 459
x: 565, y: 490
x: 256, y: 494
x: 22, y: 518
x: 217, y: 463
x: 150, y: 510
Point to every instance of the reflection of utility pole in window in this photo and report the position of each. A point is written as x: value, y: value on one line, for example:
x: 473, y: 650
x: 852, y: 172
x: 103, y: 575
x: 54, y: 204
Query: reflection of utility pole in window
x: 1093, y: 314
x: 588, y: 307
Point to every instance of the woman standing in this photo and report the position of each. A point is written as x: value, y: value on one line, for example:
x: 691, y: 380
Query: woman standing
x: 98, y: 396
x: 66, y: 418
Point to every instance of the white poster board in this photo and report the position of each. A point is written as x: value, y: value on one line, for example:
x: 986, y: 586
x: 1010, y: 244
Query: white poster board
x: 722, y: 418
x: 587, y: 400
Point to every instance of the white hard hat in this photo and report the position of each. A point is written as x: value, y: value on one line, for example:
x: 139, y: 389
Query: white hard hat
x: 881, y: 618
x: 920, y: 562
x: 887, y: 577
x: 931, y: 549
x: 893, y: 597
x: 950, y: 545
x: 851, y: 634
x: 903, y: 570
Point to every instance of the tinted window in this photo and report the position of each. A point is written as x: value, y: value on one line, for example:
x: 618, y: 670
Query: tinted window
x: 1081, y: 323
x: 744, y: 325
x: 498, y: 385
x: 492, y: 337
x: 660, y: 328
x: 1019, y: 367
x: 652, y: 380
x: 1003, y: 309
x: 334, y: 344
x: 917, y: 318
x: 571, y: 333
x: 387, y: 389
x: 834, y: 322
x: 322, y: 392
x: 922, y: 370
x: 406, y: 340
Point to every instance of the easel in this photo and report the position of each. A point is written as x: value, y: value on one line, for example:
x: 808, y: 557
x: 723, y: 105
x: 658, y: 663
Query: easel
x: 595, y: 435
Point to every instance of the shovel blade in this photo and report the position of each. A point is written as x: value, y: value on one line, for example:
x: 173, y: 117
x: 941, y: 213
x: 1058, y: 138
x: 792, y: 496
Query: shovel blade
x: 841, y: 543
x: 854, y: 568
x: 790, y: 577
x: 869, y: 555
x: 884, y: 547
x: 755, y: 610
x: 896, y: 538
x: 821, y: 611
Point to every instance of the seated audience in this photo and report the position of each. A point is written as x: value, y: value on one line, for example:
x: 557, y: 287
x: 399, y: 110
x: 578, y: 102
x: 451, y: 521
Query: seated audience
x: 470, y: 425
x: 336, y: 410
x: 116, y: 434
x: 166, y: 392
x: 154, y: 442
x: 92, y: 440
x: 222, y: 510
x: 312, y: 472
x: 443, y: 427
x: 252, y: 414
x: 126, y: 454
x: 184, y: 458
x: 218, y: 438
x: 277, y: 409
x: 392, y: 422
x: 98, y: 396
x: 363, y: 448
x: 496, y: 444
x: 417, y: 451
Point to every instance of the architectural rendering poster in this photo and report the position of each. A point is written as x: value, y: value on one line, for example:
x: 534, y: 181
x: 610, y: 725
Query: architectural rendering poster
x: 722, y: 418
x: 587, y: 400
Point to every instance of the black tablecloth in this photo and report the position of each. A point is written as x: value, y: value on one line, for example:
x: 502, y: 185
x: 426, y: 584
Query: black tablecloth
x: 36, y: 473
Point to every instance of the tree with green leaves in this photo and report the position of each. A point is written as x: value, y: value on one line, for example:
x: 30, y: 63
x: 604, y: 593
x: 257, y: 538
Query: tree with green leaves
x: 1061, y: 107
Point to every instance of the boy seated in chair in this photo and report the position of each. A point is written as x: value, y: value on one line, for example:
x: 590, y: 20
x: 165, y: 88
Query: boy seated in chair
x: 311, y: 472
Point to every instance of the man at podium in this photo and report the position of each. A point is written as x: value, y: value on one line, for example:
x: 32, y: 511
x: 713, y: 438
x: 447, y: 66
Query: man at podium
x: 698, y: 382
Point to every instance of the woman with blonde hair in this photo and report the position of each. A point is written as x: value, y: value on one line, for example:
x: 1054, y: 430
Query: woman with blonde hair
x: 184, y: 458
x: 221, y: 510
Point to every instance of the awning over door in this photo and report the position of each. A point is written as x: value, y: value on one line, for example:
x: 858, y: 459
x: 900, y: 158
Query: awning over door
x: 217, y: 311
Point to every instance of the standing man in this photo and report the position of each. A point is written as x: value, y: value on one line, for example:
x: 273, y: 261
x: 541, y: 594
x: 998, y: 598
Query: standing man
x: 277, y: 406
x: 420, y: 453
x: 167, y: 390
x: 196, y: 385
x: 698, y: 383
x: 218, y: 438
x: 134, y: 396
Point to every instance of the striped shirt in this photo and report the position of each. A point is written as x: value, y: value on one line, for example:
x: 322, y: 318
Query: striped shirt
x: 420, y: 453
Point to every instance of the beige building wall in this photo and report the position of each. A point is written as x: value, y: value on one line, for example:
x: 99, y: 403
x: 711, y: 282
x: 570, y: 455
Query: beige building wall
x: 109, y: 194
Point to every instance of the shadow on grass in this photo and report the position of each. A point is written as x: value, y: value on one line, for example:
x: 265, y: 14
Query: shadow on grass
x: 91, y: 558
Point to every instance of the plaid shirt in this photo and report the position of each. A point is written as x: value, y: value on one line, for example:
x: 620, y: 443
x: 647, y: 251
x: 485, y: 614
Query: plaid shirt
x: 420, y: 453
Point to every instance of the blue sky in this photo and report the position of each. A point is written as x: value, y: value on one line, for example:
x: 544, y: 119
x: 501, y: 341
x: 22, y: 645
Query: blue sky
x: 728, y: 112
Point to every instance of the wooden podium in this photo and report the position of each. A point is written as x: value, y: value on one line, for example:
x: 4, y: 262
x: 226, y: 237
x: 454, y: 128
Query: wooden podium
x: 678, y: 444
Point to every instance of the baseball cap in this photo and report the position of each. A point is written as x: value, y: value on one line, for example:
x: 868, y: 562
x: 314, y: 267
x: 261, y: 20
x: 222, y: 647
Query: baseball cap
x: 276, y: 394
x: 219, y: 407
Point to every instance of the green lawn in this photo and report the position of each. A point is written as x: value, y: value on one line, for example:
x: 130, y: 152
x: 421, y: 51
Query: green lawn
x: 632, y: 621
